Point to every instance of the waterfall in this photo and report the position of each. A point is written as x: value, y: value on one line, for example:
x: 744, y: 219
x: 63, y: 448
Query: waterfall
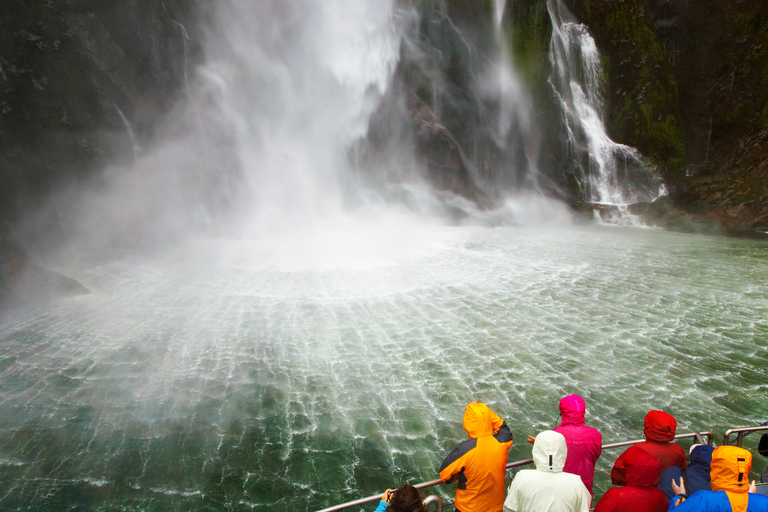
x: 610, y: 173
x: 516, y: 125
x: 129, y: 130
x: 293, y: 86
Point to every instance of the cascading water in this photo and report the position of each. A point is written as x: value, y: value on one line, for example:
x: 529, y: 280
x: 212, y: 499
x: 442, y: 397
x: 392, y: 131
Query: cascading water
x: 611, y: 173
x: 295, y: 84
x: 516, y: 125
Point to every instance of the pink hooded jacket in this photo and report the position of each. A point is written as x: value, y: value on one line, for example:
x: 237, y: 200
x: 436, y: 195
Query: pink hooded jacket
x: 584, y: 443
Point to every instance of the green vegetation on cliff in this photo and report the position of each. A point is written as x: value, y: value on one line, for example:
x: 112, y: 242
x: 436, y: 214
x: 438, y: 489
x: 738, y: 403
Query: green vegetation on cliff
x: 643, y: 97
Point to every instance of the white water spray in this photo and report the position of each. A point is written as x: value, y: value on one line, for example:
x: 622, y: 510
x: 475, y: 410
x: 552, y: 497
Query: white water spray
x: 295, y: 84
x: 515, y: 103
x: 616, y: 174
x: 129, y: 130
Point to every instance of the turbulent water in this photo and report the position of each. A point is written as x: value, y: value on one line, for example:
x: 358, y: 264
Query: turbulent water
x: 293, y: 374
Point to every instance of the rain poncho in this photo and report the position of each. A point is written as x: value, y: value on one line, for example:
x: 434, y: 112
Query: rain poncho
x: 479, y: 463
x: 730, y: 486
x: 639, y: 495
x: 547, y: 488
x: 697, y: 474
x: 659, y: 431
x: 584, y: 443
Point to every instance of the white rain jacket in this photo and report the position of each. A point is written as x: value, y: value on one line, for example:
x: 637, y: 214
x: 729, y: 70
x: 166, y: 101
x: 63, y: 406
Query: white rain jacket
x: 547, y: 488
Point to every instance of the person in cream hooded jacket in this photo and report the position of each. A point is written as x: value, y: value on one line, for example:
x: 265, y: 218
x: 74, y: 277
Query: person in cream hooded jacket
x: 547, y: 488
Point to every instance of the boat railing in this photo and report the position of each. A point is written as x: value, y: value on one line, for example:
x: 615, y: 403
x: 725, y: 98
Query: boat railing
x: 437, y: 501
x: 699, y: 438
x: 740, y: 433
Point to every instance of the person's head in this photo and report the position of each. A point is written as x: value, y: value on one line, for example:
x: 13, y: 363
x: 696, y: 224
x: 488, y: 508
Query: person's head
x: 659, y: 426
x: 642, y: 468
x: 701, y: 454
x: 477, y: 420
x: 572, y: 408
x: 549, y: 451
x: 729, y: 469
x: 405, y: 499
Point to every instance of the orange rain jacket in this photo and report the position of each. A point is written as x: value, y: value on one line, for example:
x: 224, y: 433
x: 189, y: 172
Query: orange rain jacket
x: 729, y: 471
x: 479, y: 462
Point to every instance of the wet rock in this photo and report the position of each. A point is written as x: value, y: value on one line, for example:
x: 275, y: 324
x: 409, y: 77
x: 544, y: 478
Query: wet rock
x: 688, y: 87
x: 439, y: 153
x: 22, y: 279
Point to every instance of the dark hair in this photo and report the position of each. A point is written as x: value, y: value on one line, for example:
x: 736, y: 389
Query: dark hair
x: 406, y: 499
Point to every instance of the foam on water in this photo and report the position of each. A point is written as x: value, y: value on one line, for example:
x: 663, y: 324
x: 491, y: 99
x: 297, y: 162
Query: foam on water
x: 283, y: 384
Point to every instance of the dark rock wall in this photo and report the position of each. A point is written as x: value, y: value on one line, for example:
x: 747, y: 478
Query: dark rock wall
x: 642, y: 93
x: 67, y: 67
x: 688, y: 86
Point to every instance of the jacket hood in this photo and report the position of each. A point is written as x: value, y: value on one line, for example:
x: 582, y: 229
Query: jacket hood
x: 660, y: 426
x: 702, y: 454
x: 730, y: 469
x: 478, y: 420
x: 549, y: 451
x: 642, y: 468
x: 572, y: 409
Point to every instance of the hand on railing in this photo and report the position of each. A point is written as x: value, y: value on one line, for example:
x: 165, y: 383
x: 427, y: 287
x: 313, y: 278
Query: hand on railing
x: 753, y: 487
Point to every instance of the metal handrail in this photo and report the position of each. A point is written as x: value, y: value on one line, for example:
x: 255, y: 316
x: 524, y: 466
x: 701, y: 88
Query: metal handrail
x: 740, y: 433
x: 699, y: 436
x: 436, y: 500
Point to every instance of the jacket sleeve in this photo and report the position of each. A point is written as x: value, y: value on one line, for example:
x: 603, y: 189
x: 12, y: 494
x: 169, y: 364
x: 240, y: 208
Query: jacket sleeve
x: 454, y: 463
x: 607, y: 503
x: 682, y: 461
x: 586, y: 499
x: 382, y: 507
x: 503, y: 434
x: 597, y: 447
x: 512, y: 503
x: 619, y: 473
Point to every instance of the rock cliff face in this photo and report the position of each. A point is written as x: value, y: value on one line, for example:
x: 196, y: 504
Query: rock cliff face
x: 688, y: 86
x: 21, y: 279
x: 85, y: 83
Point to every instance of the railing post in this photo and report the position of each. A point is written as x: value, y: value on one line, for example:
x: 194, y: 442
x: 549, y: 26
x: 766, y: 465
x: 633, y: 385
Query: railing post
x: 433, y: 500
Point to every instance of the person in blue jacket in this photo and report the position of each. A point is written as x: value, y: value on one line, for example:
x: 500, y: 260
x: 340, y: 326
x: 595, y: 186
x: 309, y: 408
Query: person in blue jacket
x: 697, y: 473
x: 403, y: 499
x: 731, y: 491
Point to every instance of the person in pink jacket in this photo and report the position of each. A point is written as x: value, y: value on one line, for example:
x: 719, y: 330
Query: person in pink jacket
x: 584, y: 443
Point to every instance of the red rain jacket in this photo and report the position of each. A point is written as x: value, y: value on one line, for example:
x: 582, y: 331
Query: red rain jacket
x: 584, y: 443
x: 640, y: 494
x: 659, y: 431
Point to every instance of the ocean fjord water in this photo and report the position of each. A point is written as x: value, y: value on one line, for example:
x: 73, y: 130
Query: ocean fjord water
x: 296, y: 374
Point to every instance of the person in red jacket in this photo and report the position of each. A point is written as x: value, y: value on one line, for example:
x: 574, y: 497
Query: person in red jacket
x: 640, y: 493
x: 584, y: 443
x: 479, y: 463
x: 659, y: 430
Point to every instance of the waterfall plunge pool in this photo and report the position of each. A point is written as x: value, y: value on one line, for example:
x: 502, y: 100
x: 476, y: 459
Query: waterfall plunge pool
x: 297, y: 374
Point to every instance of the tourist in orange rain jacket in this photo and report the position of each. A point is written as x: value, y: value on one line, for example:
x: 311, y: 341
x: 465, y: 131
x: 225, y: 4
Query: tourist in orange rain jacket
x: 479, y: 462
x: 659, y: 431
x: 730, y: 492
